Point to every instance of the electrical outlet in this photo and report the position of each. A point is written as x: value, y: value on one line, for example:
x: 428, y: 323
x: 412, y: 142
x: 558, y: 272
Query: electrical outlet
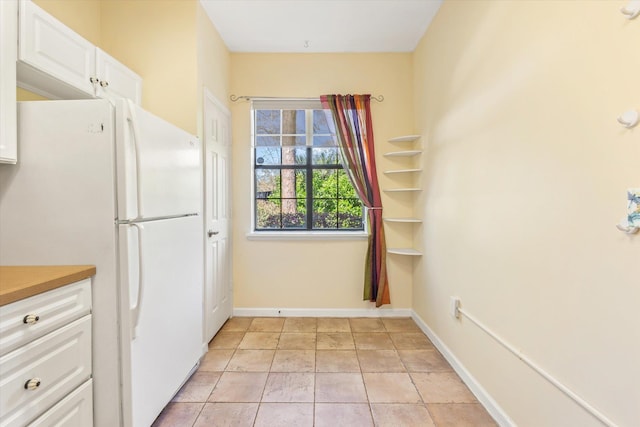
x: 454, y: 307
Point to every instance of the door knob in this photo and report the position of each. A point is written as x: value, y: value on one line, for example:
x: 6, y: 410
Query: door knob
x: 212, y: 233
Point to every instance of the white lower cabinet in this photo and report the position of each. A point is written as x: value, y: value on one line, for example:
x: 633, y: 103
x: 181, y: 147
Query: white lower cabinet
x: 47, y: 380
x: 75, y: 410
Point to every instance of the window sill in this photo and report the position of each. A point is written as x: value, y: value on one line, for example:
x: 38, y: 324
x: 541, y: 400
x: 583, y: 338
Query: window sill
x: 307, y: 235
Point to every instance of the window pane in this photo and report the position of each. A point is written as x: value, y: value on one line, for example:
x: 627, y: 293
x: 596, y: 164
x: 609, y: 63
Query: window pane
x: 320, y: 124
x: 289, y: 141
x: 297, y: 218
x: 325, y: 156
x: 345, y: 189
x: 350, y: 213
x: 267, y: 122
x: 267, y: 155
x: 267, y: 141
x: 288, y: 189
x: 324, y: 141
x: 267, y: 183
x: 324, y: 214
x: 268, y: 214
x: 291, y: 184
x: 294, y: 208
x: 293, y: 122
x: 324, y: 184
x: 294, y: 156
x: 301, y: 185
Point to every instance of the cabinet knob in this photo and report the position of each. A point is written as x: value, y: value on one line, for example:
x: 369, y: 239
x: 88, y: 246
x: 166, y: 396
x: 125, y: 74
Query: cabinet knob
x: 93, y: 80
x: 104, y: 83
x: 212, y: 233
x: 32, y: 384
x: 30, y: 319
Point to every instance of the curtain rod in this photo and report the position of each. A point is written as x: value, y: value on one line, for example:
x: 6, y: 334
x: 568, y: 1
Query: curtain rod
x: 235, y: 98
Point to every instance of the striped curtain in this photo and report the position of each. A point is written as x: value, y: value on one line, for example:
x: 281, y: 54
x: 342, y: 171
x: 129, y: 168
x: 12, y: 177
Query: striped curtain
x: 351, y: 115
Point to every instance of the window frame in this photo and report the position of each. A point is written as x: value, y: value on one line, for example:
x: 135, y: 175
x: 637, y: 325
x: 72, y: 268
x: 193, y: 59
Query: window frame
x: 308, y: 106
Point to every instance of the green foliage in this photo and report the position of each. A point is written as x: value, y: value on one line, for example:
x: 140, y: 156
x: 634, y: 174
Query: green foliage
x: 336, y: 204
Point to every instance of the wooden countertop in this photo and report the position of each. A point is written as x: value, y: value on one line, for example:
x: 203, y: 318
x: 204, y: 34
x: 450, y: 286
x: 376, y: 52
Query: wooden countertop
x: 19, y: 282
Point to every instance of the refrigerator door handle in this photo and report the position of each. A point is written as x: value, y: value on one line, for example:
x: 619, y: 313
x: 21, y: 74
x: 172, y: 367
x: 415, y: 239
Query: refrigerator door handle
x: 133, y: 123
x: 135, y: 309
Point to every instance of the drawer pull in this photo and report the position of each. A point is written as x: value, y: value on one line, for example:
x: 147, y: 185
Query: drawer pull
x: 30, y: 319
x: 32, y: 384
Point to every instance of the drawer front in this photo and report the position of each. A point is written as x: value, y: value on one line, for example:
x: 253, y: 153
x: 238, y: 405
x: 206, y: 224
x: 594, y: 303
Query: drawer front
x: 55, y: 365
x: 75, y: 410
x: 53, y: 309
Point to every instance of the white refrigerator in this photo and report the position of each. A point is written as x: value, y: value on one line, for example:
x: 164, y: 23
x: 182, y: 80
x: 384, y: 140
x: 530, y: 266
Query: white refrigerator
x: 115, y: 186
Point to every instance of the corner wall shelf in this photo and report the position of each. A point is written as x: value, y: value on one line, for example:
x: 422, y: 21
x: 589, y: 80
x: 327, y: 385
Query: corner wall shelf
x: 408, y: 178
x: 404, y: 251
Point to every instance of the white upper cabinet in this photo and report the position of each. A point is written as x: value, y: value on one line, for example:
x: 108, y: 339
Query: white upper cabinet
x: 8, y: 47
x: 50, y: 48
x: 56, y: 62
x: 116, y: 79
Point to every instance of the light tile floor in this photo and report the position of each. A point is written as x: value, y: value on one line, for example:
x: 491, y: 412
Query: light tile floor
x: 334, y: 372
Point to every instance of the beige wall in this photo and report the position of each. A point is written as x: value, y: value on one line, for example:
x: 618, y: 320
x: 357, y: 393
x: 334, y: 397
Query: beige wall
x: 158, y: 40
x: 83, y: 17
x: 214, y: 59
x: 525, y: 179
x: 314, y: 274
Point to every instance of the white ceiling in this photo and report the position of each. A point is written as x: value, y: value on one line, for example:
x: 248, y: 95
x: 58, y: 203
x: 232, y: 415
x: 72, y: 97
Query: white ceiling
x: 321, y: 25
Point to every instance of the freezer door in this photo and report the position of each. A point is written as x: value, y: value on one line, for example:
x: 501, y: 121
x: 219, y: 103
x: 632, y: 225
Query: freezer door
x: 159, y: 172
x: 161, y: 277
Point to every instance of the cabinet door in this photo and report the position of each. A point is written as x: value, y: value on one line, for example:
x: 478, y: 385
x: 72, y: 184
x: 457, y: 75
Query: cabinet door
x: 8, y: 47
x: 115, y: 79
x: 50, y: 47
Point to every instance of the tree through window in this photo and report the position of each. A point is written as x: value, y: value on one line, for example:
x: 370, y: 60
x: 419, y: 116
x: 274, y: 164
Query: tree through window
x: 299, y: 181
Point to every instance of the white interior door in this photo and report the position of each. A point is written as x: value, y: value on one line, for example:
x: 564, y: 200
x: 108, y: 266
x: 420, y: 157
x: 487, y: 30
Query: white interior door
x: 218, y: 291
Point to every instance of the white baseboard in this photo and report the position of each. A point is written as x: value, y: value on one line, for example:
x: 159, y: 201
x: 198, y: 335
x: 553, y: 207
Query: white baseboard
x: 322, y: 312
x: 481, y: 394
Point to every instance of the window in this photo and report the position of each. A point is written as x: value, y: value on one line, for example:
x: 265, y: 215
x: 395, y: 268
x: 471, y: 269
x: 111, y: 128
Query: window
x: 299, y: 182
